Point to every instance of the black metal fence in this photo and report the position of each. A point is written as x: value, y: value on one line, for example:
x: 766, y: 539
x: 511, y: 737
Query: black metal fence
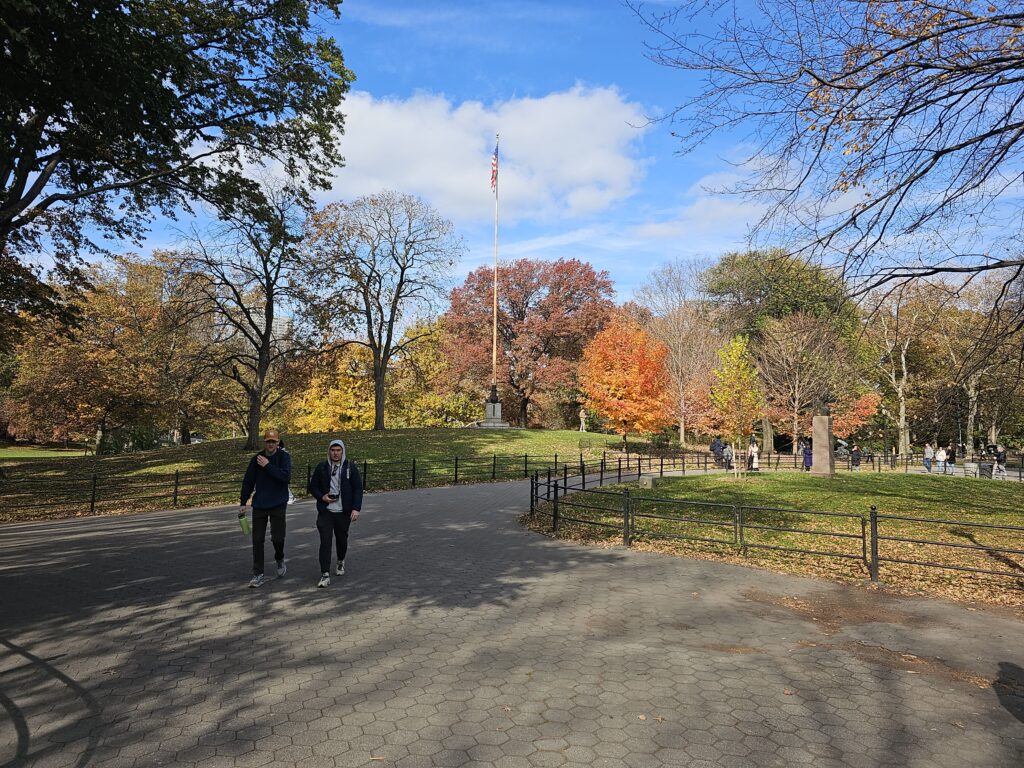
x: 870, y: 539
x: 74, y: 495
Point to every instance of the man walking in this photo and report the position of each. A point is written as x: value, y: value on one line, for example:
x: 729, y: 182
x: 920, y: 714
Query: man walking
x: 338, y: 490
x: 268, y: 474
x: 929, y: 455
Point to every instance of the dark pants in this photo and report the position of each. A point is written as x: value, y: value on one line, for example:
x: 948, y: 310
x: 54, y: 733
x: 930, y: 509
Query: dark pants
x: 337, y: 525
x: 276, y: 516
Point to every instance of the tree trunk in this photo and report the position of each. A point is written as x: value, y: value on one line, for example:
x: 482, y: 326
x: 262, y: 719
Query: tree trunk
x: 682, y: 421
x: 904, y: 428
x: 972, y: 410
x: 101, y: 431
x: 524, y: 403
x: 252, y: 422
x: 993, y: 432
x: 796, y: 434
x: 378, y: 398
x: 185, y: 428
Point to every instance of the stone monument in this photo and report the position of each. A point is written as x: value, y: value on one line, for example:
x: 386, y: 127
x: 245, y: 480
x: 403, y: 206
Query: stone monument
x: 823, y: 460
x: 492, y: 411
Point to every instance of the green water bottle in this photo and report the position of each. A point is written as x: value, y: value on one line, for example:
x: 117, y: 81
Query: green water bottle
x: 243, y: 523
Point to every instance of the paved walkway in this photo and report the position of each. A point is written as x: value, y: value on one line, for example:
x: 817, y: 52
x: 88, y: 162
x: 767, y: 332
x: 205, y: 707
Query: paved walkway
x: 459, y: 639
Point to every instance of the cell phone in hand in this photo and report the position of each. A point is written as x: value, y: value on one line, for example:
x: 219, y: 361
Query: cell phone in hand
x: 332, y: 496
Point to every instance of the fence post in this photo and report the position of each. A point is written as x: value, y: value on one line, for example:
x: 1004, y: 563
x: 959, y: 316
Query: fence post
x: 743, y: 537
x: 533, y: 488
x: 176, y: 479
x: 661, y: 469
x: 639, y: 467
x: 556, y: 462
x: 620, y: 469
x: 583, y: 474
x: 547, y: 493
x: 456, y: 470
x: 92, y: 498
x: 625, y: 518
x: 494, y: 467
x: 554, y: 509
x: 600, y: 483
x: 526, y: 464
x: 413, y: 471
x: 873, y: 565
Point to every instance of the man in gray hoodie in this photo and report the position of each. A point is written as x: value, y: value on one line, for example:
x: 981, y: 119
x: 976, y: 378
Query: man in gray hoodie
x: 338, y: 489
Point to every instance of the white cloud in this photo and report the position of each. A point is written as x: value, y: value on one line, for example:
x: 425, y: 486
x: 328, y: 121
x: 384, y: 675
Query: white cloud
x: 564, y: 155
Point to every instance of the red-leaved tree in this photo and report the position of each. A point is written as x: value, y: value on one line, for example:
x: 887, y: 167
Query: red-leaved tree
x: 547, y: 312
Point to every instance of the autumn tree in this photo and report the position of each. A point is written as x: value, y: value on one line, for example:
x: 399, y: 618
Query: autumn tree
x: 547, y: 312
x: 802, y: 363
x: 373, y: 265
x: 624, y: 378
x: 112, y: 111
x: 882, y: 133
x: 244, y: 273
x: 737, y: 393
x: 682, y: 320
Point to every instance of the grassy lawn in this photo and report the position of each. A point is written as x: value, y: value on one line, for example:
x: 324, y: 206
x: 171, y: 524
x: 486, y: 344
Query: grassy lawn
x: 211, y: 472
x: 698, y: 516
x: 9, y: 453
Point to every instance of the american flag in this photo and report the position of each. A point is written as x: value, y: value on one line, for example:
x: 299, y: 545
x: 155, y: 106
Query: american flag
x: 494, y: 169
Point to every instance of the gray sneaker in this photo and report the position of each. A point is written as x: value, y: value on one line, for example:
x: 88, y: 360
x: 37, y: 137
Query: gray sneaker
x: 257, y: 580
x: 282, y: 569
x: 325, y: 581
x: 340, y: 569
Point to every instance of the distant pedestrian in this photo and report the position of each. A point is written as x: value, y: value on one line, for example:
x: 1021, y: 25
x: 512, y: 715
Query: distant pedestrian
x: 808, y: 457
x: 336, y: 485
x: 855, y: 457
x: 940, y: 459
x: 951, y: 458
x: 266, y: 482
x: 716, y: 449
x: 727, y: 456
x: 753, y: 453
x: 929, y: 456
x: 1000, y: 462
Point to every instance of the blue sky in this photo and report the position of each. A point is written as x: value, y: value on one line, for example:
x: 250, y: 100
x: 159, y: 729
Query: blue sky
x: 583, y: 174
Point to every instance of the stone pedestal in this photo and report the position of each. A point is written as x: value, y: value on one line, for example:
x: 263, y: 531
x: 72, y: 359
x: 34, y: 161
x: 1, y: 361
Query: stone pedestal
x: 823, y: 458
x: 492, y: 412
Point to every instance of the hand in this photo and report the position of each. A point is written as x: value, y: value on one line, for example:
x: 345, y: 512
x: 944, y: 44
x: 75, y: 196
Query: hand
x: 262, y: 460
x: 326, y: 499
x: 241, y: 510
x: 355, y: 515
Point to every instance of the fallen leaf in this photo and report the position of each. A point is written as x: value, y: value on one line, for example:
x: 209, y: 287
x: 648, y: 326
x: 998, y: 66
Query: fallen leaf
x: 641, y: 717
x: 660, y: 719
x: 787, y: 691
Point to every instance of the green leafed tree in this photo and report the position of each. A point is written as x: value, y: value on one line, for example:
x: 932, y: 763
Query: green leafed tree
x: 112, y: 110
x: 736, y: 393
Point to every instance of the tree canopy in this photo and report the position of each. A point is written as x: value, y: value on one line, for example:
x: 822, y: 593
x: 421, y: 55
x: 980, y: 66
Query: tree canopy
x: 112, y: 109
x: 885, y: 134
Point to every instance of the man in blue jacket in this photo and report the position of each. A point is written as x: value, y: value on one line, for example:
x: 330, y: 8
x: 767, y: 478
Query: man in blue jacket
x: 268, y: 474
x: 338, y: 490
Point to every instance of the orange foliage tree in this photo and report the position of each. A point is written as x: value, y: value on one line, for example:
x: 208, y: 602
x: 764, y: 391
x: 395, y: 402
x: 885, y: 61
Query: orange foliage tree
x: 624, y: 377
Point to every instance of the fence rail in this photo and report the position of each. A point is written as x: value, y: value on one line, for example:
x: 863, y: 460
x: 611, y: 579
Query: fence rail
x: 866, y: 538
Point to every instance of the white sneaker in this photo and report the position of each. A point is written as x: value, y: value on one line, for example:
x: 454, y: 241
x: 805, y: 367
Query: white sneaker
x: 340, y: 569
x: 282, y: 569
x: 325, y: 581
x: 257, y: 580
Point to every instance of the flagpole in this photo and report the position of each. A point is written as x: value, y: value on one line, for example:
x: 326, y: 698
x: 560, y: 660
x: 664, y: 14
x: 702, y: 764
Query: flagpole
x: 494, y: 337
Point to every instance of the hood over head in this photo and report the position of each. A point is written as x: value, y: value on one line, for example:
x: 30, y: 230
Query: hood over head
x: 334, y: 443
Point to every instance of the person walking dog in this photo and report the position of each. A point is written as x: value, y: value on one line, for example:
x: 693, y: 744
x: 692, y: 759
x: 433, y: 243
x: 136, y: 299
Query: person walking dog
x: 338, y: 489
x: 266, y: 482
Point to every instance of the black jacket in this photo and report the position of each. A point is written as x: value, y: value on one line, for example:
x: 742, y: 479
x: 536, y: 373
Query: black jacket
x: 351, y: 486
x: 270, y: 482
